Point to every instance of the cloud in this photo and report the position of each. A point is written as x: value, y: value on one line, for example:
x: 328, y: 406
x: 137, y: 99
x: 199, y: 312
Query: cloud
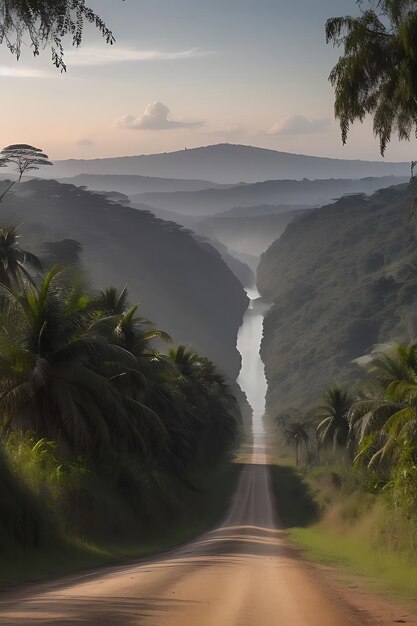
x: 155, y: 117
x: 299, y: 125
x: 7, y: 71
x: 91, y: 56
x: 85, y: 143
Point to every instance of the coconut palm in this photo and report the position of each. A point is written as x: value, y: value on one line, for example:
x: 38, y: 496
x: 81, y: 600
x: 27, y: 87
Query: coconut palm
x: 137, y: 334
x: 209, y: 409
x: 334, y: 425
x: 15, y: 263
x: 387, y: 423
x: 96, y: 383
x: 51, y: 363
x: 297, y: 434
x: 377, y: 73
x: 110, y: 302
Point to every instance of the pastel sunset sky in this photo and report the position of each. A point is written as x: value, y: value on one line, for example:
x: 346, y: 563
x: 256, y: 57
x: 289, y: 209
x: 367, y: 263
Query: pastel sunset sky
x: 188, y: 73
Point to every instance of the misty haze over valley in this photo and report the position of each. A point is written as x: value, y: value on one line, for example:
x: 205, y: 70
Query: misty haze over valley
x: 208, y: 313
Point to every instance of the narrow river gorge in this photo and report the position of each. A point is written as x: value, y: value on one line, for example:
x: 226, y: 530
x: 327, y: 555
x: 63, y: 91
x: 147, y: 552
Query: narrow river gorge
x: 252, y: 378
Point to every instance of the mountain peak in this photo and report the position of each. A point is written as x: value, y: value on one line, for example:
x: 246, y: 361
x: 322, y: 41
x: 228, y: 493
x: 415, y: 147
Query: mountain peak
x: 228, y: 163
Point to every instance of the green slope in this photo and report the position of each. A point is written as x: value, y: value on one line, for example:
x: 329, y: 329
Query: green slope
x: 342, y: 279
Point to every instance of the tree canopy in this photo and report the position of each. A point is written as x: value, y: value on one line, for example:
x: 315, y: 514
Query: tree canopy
x: 377, y: 73
x: 26, y: 158
x: 82, y: 369
x: 45, y: 23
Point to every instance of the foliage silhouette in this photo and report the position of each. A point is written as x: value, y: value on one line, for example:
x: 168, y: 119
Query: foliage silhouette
x: 46, y: 23
x: 377, y: 72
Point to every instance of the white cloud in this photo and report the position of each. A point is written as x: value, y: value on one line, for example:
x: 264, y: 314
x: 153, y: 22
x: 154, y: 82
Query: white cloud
x: 7, y: 71
x: 155, y: 117
x: 92, y: 56
x: 299, y: 125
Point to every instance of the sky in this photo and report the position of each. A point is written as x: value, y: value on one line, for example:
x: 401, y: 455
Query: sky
x: 186, y: 73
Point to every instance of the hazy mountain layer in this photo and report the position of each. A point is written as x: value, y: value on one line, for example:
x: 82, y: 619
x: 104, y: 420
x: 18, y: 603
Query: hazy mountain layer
x: 130, y: 184
x: 182, y: 284
x: 239, y: 268
x: 226, y: 163
x: 342, y: 278
x: 262, y: 209
x: 310, y: 192
x: 252, y: 235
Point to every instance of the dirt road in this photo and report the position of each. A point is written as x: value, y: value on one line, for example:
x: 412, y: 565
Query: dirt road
x: 242, y: 574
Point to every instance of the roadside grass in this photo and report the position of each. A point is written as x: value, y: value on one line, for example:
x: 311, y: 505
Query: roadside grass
x: 193, y: 510
x: 336, y: 523
x: 384, y: 571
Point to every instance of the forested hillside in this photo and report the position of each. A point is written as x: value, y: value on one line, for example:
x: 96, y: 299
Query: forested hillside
x: 342, y: 278
x: 131, y: 184
x: 182, y: 284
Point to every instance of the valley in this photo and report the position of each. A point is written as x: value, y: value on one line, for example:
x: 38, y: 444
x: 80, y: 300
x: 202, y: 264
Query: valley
x: 194, y: 257
x: 208, y: 313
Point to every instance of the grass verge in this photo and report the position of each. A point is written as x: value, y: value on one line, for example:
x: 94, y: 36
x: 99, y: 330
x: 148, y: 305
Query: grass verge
x: 385, y: 571
x: 347, y: 529
x: 201, y: 510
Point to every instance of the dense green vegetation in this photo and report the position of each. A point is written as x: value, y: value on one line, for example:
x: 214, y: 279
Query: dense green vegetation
x: 106, y: 440
x: 181, y: 282
x: 341, y: 362
x: 342, y: 279
x: 358, y: 479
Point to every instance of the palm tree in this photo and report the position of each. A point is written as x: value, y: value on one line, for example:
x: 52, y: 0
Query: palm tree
x: 52, y: 358
x: 334, y: 425
x: 297, y: 434
x: 96, y: 383
x: 386, y: 422
x: 15, y: 262
x: 110, y: 302
x: 209, y: 409
x: 377, y: 73
x: 137, y: 334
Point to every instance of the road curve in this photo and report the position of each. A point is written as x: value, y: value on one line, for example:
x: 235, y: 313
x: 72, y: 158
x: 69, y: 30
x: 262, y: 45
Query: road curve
x: 241, y: 574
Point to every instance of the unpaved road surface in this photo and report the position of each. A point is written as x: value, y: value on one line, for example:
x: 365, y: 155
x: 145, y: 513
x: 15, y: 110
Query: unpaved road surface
x: 241, y: 574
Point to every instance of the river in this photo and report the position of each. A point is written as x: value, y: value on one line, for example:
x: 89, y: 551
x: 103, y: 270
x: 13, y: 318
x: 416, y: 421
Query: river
x: 252, y: 378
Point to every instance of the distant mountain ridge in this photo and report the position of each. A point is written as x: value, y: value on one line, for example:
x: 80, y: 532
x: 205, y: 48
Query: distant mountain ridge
x: 270, y: 192
x: 131, y: 184
x: 229, y: 164
x: 262, y: 209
